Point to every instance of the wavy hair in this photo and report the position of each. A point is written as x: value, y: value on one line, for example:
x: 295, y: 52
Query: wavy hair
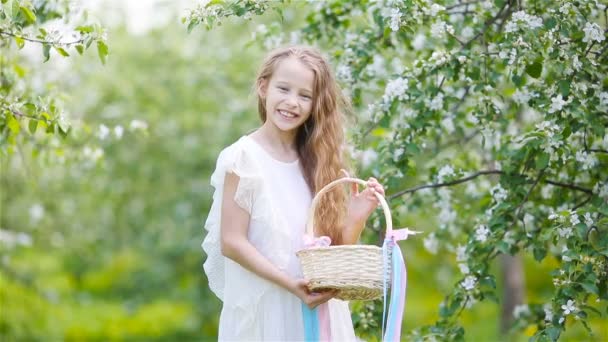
x: 320, y: 140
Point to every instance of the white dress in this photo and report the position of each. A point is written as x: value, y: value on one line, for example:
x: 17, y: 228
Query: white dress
x: 277, y: 198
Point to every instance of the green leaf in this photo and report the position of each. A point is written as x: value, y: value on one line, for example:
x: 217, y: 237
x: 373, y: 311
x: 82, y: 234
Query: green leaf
x: 550, y: 23
x: 564, y: 87
x: 46, y: 49
x: 542, y: 161
x: 33, y: 124
x: 412, y: 148
x: 102, y: 51
x: 84, y: 29
x: 535, y: 69
x: 539, y: 253
x: 13, y: 124
x: 19, y: 70
x: 79, y: 48
x: 590, y: 287
x: 62, y: 51
x: 29, y: 15
x: 20, y: 42
x: 553, y: 332
x: 518, y: 80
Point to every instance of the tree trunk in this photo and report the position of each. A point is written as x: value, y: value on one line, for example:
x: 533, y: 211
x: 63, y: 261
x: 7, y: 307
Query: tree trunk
x: 514, y: 289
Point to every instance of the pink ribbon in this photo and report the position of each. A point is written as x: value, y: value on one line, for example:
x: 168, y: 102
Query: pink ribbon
x: 314, y: 242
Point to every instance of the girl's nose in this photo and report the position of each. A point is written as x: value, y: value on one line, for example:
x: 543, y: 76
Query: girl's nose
x: 292, y: 101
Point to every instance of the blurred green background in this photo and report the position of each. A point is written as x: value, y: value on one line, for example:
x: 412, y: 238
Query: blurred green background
x: 109, y: 249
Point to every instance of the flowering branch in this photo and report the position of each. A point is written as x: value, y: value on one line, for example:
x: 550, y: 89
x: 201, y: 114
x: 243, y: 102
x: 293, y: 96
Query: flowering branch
x: 11, y: 34
x: 485, y: 172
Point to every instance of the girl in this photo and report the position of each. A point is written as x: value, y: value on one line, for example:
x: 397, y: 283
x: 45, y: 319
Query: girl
x: 264, y: 184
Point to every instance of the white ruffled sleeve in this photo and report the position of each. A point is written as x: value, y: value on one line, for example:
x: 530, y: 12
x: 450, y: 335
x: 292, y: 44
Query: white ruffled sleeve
x: 233, y: 159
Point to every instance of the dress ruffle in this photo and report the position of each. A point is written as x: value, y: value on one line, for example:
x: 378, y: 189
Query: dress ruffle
x: 234, y: 285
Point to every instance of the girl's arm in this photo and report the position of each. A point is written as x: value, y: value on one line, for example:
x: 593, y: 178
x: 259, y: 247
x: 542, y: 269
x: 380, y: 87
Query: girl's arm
x: 236, y: 246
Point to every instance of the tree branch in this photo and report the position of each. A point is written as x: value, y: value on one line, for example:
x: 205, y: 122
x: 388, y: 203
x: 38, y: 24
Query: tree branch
x: 462, y: 4
x: 454, y: 182
x: 570, y: 186
x: 484, y: 172
x: 11, y: 34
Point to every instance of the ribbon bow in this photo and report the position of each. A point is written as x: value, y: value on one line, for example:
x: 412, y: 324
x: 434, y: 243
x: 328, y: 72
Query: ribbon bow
x: 398, y: 284
x: 313, y: 242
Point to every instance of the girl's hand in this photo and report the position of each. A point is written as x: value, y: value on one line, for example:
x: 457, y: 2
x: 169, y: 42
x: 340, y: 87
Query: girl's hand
x: 312, y: 299
x: 362, y: 204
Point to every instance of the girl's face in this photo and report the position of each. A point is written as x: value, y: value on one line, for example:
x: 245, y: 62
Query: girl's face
x: 289, y: 95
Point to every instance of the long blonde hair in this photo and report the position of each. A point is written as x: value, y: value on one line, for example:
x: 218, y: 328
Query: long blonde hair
x: 320, y: 140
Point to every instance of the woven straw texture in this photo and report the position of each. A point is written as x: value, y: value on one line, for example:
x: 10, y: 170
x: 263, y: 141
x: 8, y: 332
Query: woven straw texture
x: 354, y: 270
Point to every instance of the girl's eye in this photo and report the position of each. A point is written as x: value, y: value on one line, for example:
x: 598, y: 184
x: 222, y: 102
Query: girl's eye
x: 283, y: 89
x: 306, y: 97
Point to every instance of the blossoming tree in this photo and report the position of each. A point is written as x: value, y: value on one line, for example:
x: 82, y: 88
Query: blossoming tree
x: 492, y: 116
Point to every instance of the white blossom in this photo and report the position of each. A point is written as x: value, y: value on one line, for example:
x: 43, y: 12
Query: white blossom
x: 444, y: 173
x: 574, y: 220
x: 431, y: 243
x: 93, y: 154
x: 469, y: 283
x: 522, y: 96
x: 434, y: 9
x: 524, y: 21
x: 601, y: 190
x: 528, y: 219
x: 564, y: 256
x: 576, y: 63
x: 461, y: 253
x: 138, y: 125
x: 521, y: 310
x: 36, y: 212
x: 437, y: 102
x: 588, y: 161
x: 557, y: 103
x: 12, y: 239
x: 398, y: 153
x: 588, y: 220
x: 593, y: 32
x: 603, y: 96
x: 439, y: 28
x: 467, y: 32
x: 396, y: 89
x: 103, y: 132
x: 499, y: 193
x: 448, y: 124
x: 343, y: 73
x: 481, y: 233
x: 395, y: 19
x: 118, y: 131
x: 564, y: 232
x: 464, y: 268
x: 439, y: 57
x: 548, y: 312
x: 569, y: 307
x: 419, y: 41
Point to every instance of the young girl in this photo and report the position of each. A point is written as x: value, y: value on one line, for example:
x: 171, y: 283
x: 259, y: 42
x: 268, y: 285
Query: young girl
x: 264, y: 184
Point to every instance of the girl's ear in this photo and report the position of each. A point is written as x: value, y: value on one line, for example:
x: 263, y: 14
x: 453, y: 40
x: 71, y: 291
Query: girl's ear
x: 263, y: 88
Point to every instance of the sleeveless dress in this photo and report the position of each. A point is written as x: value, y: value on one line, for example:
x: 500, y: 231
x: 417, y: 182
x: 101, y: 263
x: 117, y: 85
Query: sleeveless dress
x: 277, y: 198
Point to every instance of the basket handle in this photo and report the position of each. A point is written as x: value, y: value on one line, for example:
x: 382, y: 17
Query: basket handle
x: 315, y: 202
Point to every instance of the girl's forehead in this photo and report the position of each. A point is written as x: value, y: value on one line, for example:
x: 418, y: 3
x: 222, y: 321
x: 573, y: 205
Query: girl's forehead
x: 292, y: 70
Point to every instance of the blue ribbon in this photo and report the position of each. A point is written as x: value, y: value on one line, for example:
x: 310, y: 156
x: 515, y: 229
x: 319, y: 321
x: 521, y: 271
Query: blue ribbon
x: 311, y: 323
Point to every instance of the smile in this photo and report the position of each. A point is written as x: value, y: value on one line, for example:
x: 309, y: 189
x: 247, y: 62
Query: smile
x: 287, y: 115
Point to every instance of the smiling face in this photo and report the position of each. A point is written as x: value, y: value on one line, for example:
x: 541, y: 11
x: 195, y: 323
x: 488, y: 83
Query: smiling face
x: 288, y: 95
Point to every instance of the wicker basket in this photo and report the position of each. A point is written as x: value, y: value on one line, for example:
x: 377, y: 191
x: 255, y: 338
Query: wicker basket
x: 356, y: 271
